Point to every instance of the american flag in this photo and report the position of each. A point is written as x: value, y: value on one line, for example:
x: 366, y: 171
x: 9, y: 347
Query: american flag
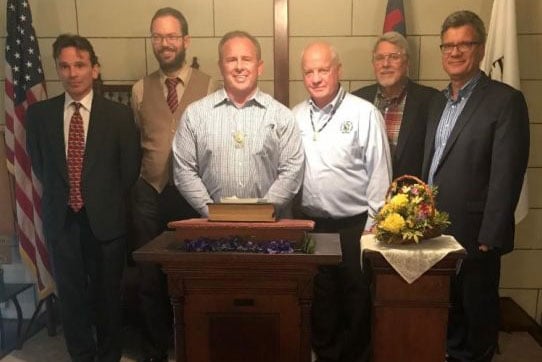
x: 25, y: 84
x: 395, y: 17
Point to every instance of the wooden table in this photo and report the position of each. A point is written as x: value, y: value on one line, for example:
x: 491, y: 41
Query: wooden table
x: 240, y: 307
x: 409, y: 321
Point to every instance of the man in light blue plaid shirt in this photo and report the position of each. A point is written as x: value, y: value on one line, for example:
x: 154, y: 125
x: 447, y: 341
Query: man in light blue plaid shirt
x: 238, y: 141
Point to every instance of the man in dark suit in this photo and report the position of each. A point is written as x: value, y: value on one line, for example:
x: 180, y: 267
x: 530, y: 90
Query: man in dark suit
x: 85, y: 152
x: 476, y: 153
x: 402, y: 103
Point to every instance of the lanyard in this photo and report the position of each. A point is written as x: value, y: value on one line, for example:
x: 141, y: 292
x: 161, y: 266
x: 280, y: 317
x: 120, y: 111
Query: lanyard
x: 331, y: 114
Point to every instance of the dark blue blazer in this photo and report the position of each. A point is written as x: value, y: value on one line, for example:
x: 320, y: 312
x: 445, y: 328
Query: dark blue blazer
x: 480, y: 174
x: 110, y: 164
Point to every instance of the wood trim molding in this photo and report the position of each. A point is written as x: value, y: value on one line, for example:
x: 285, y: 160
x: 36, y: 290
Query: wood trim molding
x: 281, y: 52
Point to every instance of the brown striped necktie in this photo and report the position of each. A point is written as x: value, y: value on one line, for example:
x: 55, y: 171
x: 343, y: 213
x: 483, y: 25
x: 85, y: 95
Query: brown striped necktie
x: 172, y: 100
x: 76, y: 150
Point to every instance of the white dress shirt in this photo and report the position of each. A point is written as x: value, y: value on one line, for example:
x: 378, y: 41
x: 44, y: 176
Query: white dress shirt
x: 84, y: 110
x: 347, y: 164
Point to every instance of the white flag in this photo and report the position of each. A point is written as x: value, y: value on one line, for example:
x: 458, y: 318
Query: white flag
x: 501, y: 63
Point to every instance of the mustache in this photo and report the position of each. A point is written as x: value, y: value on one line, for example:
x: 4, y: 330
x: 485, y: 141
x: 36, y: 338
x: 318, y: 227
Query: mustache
x: 166, y: 48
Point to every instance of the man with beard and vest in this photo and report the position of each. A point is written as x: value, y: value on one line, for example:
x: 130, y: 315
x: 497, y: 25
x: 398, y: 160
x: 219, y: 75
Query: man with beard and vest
x: 158, y: 101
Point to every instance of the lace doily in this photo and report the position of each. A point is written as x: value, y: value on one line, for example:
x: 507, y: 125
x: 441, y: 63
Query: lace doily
x: 410, y: 261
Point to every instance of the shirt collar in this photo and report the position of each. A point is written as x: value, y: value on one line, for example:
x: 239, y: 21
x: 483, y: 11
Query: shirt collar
x: 258, y: 98
x: 331, y: 105
x: 86, y: 101
x: 465, y: 91
x: 183, y: 74
x: 394, y: 99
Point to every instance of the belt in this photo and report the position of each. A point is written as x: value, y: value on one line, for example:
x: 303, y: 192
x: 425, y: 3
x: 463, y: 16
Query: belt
x: 343, y: 220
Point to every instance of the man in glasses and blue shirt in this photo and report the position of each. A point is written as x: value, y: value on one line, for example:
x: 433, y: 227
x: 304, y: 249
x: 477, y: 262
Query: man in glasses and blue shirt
x: 476, y: 152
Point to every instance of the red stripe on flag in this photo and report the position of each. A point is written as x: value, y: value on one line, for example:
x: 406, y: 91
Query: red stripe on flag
x: 9, y: 152
x: 393, y: 18
x: 30, y: 251
x: 30, y: 97
x: 25, y: 207
x: 28, y: 247
x: 40, y: 243
x: 9, y: 87
x: 22, y: 161
x: 20, y: 112
x: 29, y: 240
x: 25, y: 204
x: 37, y: 200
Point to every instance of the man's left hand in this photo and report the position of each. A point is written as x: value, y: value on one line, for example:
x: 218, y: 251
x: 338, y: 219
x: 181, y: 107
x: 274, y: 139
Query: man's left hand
x: 484, y: 248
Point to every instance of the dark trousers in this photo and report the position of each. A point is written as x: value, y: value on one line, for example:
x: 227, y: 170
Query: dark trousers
x: 473, y: 326
x: 88, y: 274
x: 340, y: 314
x: 151, y: 211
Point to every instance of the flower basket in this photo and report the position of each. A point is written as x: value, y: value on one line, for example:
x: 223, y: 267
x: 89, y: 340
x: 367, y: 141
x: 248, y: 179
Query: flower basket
x: 409, y: 214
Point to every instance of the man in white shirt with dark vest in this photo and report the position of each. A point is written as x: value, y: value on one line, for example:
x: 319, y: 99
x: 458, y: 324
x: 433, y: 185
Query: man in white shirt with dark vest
x: 347, y: 173
x: 158, y: 101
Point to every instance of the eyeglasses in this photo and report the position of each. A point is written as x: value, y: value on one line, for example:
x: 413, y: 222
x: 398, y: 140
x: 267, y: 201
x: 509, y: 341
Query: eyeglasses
x: 465, y: 46
x: 169, y: 38
x: 391, y: 57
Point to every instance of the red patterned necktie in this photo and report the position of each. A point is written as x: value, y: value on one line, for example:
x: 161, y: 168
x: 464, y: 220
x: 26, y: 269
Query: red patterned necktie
x: 76, y: 149
x: 172, y: 100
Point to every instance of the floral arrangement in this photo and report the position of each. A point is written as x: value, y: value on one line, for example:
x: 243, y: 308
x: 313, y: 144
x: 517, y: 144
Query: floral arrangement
x: 237, y: 244
x: 409, y: 214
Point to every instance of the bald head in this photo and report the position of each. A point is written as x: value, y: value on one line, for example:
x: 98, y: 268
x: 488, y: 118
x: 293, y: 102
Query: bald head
x: 323, y: 47
x: 321, y: 68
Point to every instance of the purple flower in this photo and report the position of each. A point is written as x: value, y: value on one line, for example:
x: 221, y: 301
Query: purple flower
x: 237, y: 244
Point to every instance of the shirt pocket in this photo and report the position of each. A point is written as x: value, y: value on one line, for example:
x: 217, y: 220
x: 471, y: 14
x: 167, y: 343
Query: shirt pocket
x: 264, y: 142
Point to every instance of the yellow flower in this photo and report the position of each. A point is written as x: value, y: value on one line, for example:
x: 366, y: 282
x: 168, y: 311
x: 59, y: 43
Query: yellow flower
x: 416, y: 200
x: 386, y: 209
x: 399, y: 201
x: 393, y: 223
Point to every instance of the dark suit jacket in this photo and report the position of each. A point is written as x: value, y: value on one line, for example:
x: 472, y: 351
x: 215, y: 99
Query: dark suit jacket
x: 110, y: 164
x: 481, y: 171
x: 409, y: 152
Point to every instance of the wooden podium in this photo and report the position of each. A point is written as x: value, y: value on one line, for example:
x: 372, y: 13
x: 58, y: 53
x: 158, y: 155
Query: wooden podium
x: 233, y: 307
x: 409, y: 321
